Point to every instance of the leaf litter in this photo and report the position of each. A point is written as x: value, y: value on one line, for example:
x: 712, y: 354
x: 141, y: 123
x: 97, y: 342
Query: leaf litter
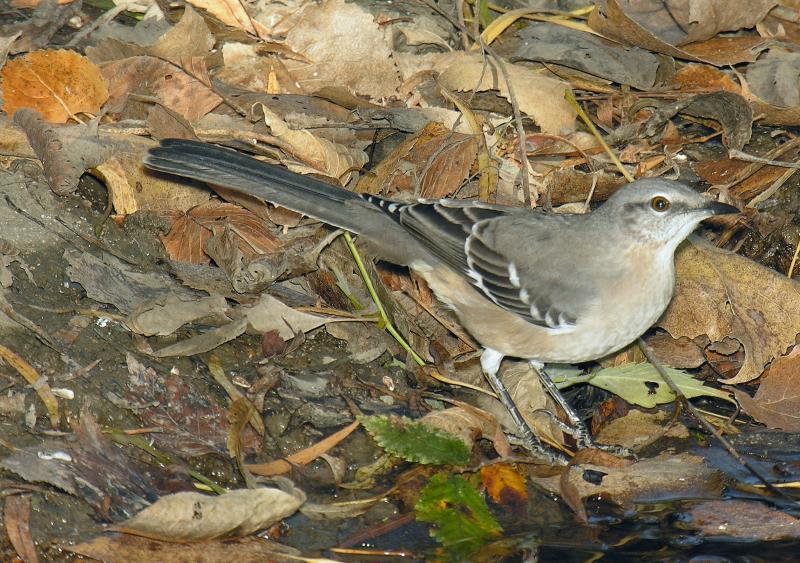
x: 219, y: 356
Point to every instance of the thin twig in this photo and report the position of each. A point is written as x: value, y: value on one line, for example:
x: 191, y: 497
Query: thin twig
x: 679, y: 396
x: 593, y: 130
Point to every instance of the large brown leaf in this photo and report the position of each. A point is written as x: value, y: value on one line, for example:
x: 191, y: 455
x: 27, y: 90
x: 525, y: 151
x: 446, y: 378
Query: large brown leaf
x: 719, y: 293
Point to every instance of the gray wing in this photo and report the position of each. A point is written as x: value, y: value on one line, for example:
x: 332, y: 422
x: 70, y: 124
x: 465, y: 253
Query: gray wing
x: 472, y: 238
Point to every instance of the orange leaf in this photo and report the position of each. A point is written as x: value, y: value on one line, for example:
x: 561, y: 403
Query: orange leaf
x: 504, y: 484
x: 57, y: 84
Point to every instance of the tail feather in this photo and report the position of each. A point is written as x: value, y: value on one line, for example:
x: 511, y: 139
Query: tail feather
x: 275, y: 184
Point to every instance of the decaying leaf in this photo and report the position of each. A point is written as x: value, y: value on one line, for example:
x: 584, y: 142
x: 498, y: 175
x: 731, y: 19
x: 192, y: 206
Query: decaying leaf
x: 166, y: 314
x: 666, y: 475
x: 719, y: 294
x: 17, y: 520
x: 638, y: 429
x: 148, y: 76
x: 743, y: 519
x: 431, y: 164
x: 122, y: 548
x: 58, y: 84
x: 505, y: 485
x: 191, y: 231
x: 38, y: 382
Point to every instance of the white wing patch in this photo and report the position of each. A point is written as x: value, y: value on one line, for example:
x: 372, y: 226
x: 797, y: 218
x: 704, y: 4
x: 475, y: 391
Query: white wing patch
x: 513, y: 276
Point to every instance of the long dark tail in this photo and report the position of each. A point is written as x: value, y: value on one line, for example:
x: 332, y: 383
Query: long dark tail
x: 306, y: 195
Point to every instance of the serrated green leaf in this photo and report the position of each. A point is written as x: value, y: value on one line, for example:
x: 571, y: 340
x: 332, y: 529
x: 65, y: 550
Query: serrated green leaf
x: 461, y: 520
x: 641, y: 384
x: 415, y: 441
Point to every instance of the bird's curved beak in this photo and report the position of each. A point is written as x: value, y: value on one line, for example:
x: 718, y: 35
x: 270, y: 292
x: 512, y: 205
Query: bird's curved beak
x: 718, y: 208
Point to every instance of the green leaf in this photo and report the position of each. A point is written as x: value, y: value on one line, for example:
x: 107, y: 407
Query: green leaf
x: 641, y: 384
x: 415, y: 441
x: 461, y: 520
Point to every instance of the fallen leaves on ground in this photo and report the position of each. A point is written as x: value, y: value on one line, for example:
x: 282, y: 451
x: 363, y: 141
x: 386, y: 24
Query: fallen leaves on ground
x: 719, y: 293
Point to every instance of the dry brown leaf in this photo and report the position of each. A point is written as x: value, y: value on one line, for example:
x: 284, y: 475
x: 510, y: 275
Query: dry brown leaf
x: 5, y: 46
x: 58, y: 84
x: 719, y: 294
x: 196, y: 517
x: 540, y: 97
x: 189, y: 38
x: 723, y: 51
x: 190, y: 231
x: 255, y: 68
x: 131, y: 188
x: 148, y: 76
x: 663, y: 26
x: 660, y: 35
x: 704, y: 20
x: 431, y: 164
x: 777, y: 401
x: 703, y: 78
x: 17, y: 520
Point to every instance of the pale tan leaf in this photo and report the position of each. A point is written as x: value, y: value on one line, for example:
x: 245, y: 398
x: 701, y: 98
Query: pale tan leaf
x: 195, y: 517
x: 232, y: 13
x: 319, y: 155
x: 540, y: 97
x: 345, y: 47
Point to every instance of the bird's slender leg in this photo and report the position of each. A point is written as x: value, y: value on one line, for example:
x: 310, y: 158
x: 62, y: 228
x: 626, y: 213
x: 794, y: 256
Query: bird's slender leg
x: 578, y: 429
x: 490, y: 363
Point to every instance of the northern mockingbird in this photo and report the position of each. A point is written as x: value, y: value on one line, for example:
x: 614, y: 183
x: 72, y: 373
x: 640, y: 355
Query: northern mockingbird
x: 525, y: 284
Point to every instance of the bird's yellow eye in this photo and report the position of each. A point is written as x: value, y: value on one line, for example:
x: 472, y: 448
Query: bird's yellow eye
x: 659, y: 203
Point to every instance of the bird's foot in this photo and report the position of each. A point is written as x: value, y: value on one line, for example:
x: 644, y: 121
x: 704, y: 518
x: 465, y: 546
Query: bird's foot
x: 583, y: 440
x: 490, y: 361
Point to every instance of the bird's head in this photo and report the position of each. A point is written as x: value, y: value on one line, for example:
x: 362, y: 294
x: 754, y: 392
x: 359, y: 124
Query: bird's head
x: 663, y: 212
